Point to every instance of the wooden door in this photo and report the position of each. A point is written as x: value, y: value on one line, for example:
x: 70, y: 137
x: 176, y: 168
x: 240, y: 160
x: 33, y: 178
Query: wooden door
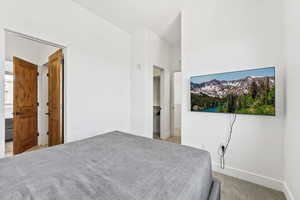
x: 55, y: 98
x: 25, y: 128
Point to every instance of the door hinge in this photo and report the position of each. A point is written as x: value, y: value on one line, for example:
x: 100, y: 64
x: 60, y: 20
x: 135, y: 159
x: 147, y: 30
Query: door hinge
x: 38, y: 73
x: 38, y: 134
x: 62, y: 61
x: 47, y: 132
x: 48, y: 74
x: 47, y: 103
x: 38, y: 104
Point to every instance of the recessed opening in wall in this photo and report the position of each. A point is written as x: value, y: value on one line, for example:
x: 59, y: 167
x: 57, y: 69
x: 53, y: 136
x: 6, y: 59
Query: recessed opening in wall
x: 157, y: 102
x: 160, y: 111
x: 34, y: 93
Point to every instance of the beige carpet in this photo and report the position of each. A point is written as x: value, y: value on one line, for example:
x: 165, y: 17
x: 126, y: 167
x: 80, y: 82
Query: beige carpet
x: 174, y: 139
x: 37, y: 147
x: 9, y: 148
x: 236, y: 189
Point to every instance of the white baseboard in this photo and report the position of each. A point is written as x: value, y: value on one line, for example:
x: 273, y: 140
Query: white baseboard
x: 249, y: 176
x: 287, y: 192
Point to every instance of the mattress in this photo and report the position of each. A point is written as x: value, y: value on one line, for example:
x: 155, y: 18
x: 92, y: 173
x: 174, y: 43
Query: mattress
x: 113, y: 166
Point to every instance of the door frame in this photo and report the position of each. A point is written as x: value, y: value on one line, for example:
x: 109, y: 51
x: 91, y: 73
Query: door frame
x: 173, y: 103
x: 2, y: 74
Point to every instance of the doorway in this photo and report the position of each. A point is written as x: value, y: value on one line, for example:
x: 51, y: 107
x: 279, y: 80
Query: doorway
x: 34, y: 85
x: 157, y: 102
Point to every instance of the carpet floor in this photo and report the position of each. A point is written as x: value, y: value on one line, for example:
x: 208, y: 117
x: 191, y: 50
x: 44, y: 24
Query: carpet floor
x: 236, y: 189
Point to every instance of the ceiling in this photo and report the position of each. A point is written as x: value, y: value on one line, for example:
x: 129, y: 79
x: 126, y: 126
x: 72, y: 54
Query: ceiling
x: 160, y: 16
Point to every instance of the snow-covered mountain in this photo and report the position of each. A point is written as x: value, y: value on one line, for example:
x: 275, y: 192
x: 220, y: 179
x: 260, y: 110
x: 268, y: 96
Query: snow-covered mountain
x: 221, y: 88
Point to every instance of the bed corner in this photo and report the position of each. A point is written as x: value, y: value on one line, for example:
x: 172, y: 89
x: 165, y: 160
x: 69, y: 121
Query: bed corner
x: 215, y: 192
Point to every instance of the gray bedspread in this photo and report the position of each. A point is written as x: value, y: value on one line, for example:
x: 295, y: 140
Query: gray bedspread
x: 113, y: 166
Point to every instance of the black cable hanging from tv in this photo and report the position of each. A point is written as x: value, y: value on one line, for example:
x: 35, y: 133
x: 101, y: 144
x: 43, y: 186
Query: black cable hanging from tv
x: 223, y: 147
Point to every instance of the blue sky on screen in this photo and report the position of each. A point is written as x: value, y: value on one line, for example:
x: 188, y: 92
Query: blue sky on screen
x: 234, y: 75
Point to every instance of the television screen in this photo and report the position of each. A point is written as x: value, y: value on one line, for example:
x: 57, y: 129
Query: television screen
x: 241, y: 92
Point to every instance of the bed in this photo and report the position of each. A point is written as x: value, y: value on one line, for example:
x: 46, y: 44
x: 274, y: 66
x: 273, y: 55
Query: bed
x: 113, y: 166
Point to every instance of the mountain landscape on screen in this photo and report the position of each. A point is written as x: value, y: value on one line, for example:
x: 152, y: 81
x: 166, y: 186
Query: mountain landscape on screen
x: 244, y: 92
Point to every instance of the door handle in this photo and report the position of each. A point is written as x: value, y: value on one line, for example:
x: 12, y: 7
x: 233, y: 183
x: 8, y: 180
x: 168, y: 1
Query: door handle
x: 47, y: 113
x: 17, y: 113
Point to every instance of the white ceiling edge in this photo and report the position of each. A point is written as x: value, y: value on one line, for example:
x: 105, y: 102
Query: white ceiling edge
x: 162, y: 18
x: 103, y: 18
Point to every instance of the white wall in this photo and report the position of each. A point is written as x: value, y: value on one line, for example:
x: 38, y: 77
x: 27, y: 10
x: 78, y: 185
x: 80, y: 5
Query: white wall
x: 292, y: 61
x: 176, y: 58
x: 149, y: 51
x: 176, y: 103
x: 176, y: 67
x: 98, y: 54
x: 224, y: 36
x: 138, y: 90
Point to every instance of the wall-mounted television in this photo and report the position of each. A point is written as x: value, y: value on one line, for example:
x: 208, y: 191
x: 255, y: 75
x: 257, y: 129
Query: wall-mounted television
x: 240, y: 92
